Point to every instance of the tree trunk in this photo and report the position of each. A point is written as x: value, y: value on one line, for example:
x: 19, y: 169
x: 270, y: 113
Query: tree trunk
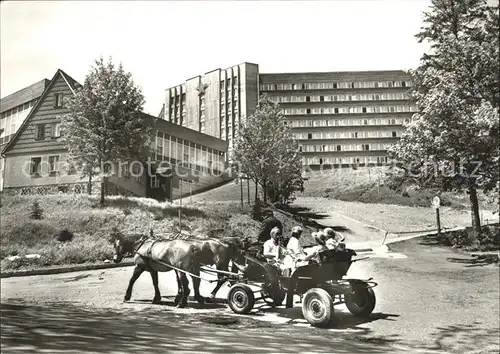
x: 476, y: 221
x: 103, y: 188
x: 256, y: 190
x: 89, y: 189
x: 264, y: 186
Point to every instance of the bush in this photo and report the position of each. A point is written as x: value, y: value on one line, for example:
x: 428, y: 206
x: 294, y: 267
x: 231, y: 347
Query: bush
x: 65, y: 236
x: 36, y: 211
x: 31, y: 233
x: 488, y: 240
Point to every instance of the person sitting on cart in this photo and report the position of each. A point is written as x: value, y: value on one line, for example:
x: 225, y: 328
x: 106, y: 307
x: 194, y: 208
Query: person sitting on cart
x: 333, y: 240
x: 269, y: 223
x: 271, y: 248
x: 273, y: 252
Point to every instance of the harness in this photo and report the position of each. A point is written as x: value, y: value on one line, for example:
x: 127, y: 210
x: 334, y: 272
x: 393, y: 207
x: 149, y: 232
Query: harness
x: 147, y: 256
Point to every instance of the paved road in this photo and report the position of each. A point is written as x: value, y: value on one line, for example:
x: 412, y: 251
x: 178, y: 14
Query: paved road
x: 435, y: 299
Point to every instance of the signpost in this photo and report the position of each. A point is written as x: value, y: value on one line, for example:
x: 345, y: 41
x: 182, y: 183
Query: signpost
x: 436, y: 203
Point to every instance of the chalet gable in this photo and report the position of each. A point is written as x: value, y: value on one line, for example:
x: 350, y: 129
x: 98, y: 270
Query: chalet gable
x: 41, y: 130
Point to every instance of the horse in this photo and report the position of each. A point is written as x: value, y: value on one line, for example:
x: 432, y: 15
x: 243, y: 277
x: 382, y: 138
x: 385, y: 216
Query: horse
x: 184, y: 255
x: 178, y: 253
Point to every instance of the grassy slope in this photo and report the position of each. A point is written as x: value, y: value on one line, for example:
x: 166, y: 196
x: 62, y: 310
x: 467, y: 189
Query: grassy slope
x: 362, y: 185
x: 92, y: 225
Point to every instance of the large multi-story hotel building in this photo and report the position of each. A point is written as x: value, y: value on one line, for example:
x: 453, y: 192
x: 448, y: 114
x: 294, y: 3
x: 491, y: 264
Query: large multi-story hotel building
x: 338, y: 117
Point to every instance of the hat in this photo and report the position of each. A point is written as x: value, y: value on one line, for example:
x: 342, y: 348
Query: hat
x: 296, y: 230
x: 329, y: 232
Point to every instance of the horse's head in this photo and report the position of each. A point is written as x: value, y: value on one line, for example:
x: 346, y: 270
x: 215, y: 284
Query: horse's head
x: 124, y: 246
x: 238, y: 247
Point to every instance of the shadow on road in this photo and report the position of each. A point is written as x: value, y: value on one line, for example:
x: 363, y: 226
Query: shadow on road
x: 341, y: 320
x: 66, y: 328
x: 192, y: 303
x: 466, y: 338
x: 308, y: 218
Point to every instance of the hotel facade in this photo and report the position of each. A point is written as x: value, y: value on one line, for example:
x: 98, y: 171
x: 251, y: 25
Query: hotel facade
x: 34, y: 158
x: 339, y: 118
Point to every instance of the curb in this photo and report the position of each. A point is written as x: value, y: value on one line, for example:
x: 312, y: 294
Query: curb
x: 59, y: 270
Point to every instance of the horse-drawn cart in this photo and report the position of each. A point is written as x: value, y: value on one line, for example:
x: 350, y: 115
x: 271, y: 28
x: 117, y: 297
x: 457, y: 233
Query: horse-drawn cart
x: 317, y: 283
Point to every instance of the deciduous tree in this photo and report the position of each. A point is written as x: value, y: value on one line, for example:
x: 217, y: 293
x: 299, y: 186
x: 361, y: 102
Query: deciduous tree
x: 105, y: 124
x: 268, y: 153
x: 452, y: 142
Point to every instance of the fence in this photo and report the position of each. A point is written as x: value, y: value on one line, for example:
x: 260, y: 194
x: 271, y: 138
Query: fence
x: 74, y: 188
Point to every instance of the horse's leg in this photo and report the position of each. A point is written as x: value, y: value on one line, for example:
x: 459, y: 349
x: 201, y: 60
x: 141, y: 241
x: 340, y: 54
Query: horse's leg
x: 154, y: 277
x: 185, y: 290
x: 178, y: 297
x: 138, y: 270
x: 221, y: 279
x: 196, y: 287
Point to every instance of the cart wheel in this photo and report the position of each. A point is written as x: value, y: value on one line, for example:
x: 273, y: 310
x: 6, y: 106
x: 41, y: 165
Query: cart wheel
x: 361, y: 301
x: 241, y: 299
x: 317, y: 307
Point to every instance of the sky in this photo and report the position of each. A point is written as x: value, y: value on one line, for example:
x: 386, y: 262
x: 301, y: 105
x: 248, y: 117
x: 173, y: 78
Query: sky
x: 163, y: 43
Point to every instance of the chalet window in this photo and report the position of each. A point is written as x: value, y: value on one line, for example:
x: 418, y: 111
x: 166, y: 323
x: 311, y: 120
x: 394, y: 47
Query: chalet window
x: 154, y: 182
x: 35, y: 167
x: 58, y: 100
x: 56, y: 130
x: 39, y: 131
x: 53, y: 165
x: 339, y: 148
x: 309, y: 136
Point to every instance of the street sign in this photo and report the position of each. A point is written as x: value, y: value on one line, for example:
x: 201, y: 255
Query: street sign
x: 436, y: 202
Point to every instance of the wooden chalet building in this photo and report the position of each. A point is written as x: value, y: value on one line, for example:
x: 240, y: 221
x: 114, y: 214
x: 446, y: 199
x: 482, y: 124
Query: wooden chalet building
x: 35, y: 157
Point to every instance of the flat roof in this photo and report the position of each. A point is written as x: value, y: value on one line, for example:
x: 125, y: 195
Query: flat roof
x: 188, y: 134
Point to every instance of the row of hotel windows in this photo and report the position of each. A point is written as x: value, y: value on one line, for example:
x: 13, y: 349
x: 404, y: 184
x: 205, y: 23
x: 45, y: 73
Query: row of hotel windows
x: 343, y: 147
x: 346, y: 122
x: 350, y: 110
x: 347, y: 135
x: 178, y: 94
x: 19, y: 109
x: 191, y: 155
x: 341, y: 98
x: 334, y: 85
x: 327, y: 160
x: 13, y: 118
